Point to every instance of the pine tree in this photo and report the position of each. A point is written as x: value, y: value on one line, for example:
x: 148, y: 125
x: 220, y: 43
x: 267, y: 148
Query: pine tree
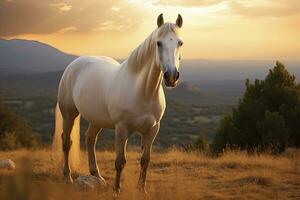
x: 267, y: 116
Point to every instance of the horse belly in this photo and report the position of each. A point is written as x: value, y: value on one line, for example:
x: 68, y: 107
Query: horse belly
x: 90, y: 90
x: 97, y: 117
x: 93, y: 109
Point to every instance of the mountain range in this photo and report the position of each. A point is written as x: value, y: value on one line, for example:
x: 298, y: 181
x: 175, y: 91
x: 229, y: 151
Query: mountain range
x: 28, y: 56
x: 31, y: 56
x: 35, y: 64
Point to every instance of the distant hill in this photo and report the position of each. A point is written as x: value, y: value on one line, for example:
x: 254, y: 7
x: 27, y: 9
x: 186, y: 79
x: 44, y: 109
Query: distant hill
x: 28, y: 56
x: 32, y: 64
x: 228, y: 70
x: 40, y: 81
x: 18, y: 55
x: 204, y: 93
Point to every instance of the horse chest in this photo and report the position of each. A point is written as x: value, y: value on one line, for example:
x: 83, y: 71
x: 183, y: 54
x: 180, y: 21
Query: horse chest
x: 138, y: 116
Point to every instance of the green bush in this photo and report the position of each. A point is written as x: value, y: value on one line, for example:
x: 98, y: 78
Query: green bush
x: 267, y: 116
x: 198, y: 145
x: 9, y: 141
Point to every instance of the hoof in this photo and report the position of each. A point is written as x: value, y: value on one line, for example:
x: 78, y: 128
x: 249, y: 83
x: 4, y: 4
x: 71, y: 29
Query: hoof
x: 68, y: 179
x: 117, y: 192
x: 103, y: 181
x: 142, y: 190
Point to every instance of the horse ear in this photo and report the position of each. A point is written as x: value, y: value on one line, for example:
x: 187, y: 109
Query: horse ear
x: 160, y: 20
x: 179, y: 21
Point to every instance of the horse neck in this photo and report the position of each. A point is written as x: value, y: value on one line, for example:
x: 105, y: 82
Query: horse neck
x: 142, y: 63
x: 150, y: 81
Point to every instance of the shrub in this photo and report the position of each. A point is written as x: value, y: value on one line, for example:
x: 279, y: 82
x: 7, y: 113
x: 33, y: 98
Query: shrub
x: 14, y: 131
x: 198, y: 145
x: 9, y: 141
x: 267, y: 116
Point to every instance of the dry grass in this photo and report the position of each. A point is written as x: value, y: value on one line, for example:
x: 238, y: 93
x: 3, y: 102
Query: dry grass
x: 172, y: 175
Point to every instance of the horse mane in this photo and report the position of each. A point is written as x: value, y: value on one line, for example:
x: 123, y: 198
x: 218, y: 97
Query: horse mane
x: 145, y: 52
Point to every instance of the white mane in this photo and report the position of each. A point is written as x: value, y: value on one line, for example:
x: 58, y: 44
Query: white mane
x: 145, y: 52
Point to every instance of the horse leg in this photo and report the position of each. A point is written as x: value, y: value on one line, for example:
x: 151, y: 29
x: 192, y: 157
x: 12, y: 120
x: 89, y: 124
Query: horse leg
x: 69, y: 113
x: 147, y: 141
x: 121, y: 137
x: 91, y: 139
x: 66, y: 141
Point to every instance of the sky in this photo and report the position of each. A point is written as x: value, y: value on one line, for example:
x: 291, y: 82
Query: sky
x: 212, y: 29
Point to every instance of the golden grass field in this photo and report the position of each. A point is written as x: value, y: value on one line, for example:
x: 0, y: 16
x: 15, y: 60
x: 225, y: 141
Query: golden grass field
x: 172, y: 175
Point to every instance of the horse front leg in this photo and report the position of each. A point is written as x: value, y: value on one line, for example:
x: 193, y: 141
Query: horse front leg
x: 147, y: 141
x: 121, y: 139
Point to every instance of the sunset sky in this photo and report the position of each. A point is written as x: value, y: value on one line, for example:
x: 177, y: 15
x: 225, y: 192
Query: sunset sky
x: 212, y: 29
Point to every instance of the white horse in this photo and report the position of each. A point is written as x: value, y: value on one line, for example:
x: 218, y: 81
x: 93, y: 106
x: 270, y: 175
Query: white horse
x: 126, y: 97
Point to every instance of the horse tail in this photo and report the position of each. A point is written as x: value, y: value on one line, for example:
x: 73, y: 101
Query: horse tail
x: 74, y: 154
x: 57, y: 140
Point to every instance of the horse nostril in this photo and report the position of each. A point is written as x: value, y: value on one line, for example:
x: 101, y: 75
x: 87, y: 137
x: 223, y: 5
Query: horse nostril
x: 177, y: 76
x: 166, y: 76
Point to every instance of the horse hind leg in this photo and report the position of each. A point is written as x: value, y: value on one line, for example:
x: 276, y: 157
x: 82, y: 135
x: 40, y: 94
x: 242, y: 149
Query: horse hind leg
x: 68, y: 122
x: 91, y: 139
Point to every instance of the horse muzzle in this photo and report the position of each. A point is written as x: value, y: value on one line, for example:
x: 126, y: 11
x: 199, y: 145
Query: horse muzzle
x: 171, y: 79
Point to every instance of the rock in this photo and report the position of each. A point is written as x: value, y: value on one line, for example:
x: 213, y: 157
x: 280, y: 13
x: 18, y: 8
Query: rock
x: 90, y: 183
x: 7, y: 164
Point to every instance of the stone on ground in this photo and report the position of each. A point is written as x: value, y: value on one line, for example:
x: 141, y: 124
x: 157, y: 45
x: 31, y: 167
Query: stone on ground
x: 7, y: 164
x: 89, y: 183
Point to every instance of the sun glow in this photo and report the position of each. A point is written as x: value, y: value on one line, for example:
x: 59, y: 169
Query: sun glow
x: 216, y: 29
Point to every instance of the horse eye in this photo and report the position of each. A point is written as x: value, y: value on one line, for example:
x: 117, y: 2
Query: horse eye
x: 180, y: 43
x: 159, y: 43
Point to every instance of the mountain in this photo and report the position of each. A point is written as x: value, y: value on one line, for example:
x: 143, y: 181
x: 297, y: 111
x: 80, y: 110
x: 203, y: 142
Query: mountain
x: 203, y: 93
x: 34, y: 64
x: 27, y: 81
x: 228, y: 70
x: 18, y: 55
x: 28, y: 56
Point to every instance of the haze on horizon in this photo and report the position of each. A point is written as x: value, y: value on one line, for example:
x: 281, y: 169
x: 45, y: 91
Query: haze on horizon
x: 212, y: 29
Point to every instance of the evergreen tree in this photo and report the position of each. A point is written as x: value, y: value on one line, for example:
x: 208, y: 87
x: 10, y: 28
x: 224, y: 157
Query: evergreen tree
x: 267, y: 116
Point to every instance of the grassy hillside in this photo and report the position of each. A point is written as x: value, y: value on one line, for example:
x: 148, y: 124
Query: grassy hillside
x: 172, y: 175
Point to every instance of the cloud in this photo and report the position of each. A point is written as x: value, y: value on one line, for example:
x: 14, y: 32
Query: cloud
x: 188, y: 3
x: 18, y: 17
x: 71, y: 29
x: 274, y: 8
x: 61, y: 6
x: 49, y: 16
